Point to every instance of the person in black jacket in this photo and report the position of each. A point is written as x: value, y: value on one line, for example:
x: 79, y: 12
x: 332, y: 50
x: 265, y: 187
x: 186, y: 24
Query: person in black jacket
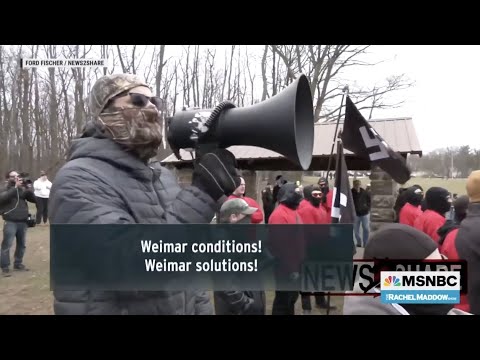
x: 234, y: 302
x: 14, y: 210
x: 110, y: 179
x: 467, y: 241
x: 361, y: 200
x: 460, y: 206
x: 268, y: 203
x: 279, y: 182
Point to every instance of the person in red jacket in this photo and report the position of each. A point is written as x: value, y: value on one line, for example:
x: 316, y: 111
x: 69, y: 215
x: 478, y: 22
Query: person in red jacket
x: 289, y: 252
x: 411, y: 210
x: 311, y: 212
x: 310, y: 209
x: 447, y: 241
x: 304, y: 203
x: 438, y: 202
x: 239, y: 192
x: 327, y: 197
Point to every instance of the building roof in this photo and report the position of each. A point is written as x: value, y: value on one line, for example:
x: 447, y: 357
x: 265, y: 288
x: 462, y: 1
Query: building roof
x: 399, y: 133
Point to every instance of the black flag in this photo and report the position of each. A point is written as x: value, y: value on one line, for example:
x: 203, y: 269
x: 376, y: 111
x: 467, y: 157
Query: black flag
x: 343, y: 209
x: 360, y: 137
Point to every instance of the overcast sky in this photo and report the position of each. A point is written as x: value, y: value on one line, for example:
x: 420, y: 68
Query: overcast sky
x: 444, y: 99
x: 442, y: 102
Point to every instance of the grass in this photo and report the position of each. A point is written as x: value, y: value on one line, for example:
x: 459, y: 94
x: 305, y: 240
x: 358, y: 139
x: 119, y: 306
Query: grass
x: 28, y: 293
x: 455, y: 186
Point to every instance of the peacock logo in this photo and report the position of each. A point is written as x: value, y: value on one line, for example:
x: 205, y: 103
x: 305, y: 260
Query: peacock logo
x: 391, y: 281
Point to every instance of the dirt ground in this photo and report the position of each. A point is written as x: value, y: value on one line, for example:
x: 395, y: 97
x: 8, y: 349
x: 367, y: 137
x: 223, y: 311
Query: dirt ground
x: 28, y: 293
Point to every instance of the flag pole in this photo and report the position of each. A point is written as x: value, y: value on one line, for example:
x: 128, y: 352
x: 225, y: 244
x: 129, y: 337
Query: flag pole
x: 339, y: 142
x: 345, y: 92
x: 334, y: 140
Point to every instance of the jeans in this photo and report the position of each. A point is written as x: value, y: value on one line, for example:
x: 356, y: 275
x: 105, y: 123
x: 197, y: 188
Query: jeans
x: 365, y: 221
x: 11, y: 230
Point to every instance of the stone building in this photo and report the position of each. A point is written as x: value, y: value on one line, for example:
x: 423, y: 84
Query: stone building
x: 259, y: 165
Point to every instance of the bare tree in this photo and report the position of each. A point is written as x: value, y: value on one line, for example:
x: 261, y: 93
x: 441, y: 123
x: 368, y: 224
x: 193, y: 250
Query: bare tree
x: 160, y: 65
x: 124, y: 68
x: 264, y: 73
x: 323, y: 64
x: 251, y: 77
x: 42, y: 110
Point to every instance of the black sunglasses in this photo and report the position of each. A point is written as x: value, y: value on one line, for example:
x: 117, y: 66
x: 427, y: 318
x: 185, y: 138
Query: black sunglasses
x: 141, y: 100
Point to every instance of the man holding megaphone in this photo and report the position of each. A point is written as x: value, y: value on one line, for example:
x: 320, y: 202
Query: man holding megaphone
x: 109, y: 179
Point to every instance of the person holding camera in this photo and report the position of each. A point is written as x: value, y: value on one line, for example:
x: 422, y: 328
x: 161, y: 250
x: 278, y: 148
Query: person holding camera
x: 109, y: 178
x: 14, y: 210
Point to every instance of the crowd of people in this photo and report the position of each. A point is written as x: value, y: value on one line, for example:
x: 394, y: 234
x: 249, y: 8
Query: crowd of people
x: 430, y: 225
x: 110, y: 178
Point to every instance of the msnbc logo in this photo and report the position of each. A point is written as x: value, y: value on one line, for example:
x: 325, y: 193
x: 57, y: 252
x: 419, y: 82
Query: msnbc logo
x: 420, y: 287
x: 391, y: 280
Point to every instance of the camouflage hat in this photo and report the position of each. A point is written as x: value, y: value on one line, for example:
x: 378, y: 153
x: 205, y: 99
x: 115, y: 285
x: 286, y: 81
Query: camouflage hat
x: 236, y: 206
x: 109, y: 86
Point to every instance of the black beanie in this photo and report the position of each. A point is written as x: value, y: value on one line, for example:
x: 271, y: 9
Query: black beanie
x: 399, y: 241
x: 288, y: 196
x: 461, y: 206
x: 414, y: 195
x: 307, y: 192
x: 437, y: 200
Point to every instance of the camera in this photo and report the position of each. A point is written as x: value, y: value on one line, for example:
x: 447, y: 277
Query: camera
x: 24, y: 176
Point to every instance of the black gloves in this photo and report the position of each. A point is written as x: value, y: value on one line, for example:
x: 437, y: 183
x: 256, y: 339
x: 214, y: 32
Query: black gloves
x: 216, y: 174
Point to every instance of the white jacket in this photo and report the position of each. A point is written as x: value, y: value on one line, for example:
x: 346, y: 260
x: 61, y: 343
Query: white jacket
x: 42, y: 188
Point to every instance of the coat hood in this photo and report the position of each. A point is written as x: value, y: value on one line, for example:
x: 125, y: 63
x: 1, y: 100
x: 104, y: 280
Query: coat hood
x: 94, y: 144
x: 289, y: 196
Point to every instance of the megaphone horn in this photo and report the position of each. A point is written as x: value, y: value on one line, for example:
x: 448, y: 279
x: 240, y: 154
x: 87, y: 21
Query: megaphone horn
x: 283, y: 123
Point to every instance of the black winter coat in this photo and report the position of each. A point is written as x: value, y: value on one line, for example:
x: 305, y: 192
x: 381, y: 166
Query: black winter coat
x: 103, y: 184
x: 13, y: 203
x: 467, y: 243
x: 361, y: 200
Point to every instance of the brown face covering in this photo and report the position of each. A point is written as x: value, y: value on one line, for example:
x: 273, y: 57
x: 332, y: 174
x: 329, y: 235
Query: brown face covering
x: 137, y: 129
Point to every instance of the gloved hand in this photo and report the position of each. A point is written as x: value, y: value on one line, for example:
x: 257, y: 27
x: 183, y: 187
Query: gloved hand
x: 216, y: 174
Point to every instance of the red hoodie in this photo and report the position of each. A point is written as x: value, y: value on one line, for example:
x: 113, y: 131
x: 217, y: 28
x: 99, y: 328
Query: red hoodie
x: 257, y: 216
x: 290, y: 255
x: 327, y: 205
x: 408, y: 214
x: 429, y: 222
x: 449, y: 249
x: 311, y: 214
